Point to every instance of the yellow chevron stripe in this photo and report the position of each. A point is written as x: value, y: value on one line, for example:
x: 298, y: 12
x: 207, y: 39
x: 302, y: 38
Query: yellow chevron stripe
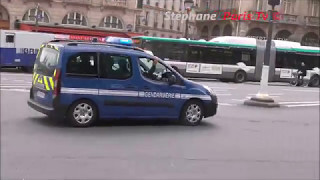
x: 40, y: 80
x: 35, y: 79
x: 51, y: 82
x: 46, y: 83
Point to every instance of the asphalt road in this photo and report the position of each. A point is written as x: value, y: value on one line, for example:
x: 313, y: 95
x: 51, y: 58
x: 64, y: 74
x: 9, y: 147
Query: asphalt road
x: 240, y: 142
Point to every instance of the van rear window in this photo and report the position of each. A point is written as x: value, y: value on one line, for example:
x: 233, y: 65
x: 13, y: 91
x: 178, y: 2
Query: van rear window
x: 47, y: 61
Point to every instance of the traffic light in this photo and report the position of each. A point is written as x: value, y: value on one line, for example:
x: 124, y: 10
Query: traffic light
x: 273, y: 2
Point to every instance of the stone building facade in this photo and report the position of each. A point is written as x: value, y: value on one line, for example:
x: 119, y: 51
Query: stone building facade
x: 299, y: 20
x: 114, y: 15
x: 152, y: 21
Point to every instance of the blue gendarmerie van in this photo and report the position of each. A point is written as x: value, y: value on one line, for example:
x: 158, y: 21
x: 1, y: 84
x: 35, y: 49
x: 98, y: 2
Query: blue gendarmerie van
x: 82, y: 82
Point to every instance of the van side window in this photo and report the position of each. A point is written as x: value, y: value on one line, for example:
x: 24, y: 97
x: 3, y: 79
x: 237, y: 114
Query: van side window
x: 83, y: 64
x: 9, y: 38
x: 154, y: 70
x: 115, y: 66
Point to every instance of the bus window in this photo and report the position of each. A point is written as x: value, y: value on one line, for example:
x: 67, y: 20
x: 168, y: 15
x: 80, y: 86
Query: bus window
x: 175, y: 51
x: 10, y: 38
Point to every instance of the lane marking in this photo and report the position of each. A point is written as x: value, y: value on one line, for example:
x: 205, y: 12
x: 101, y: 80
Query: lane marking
x: 16, y: 90
x: 223, y: 94
x: 226, y: 104
x: 228, y: 88
x: 272, y: 94
x: 302, y: 105
x: 295, y: 90
x: 26, y: 86
x: 18, y: 80
x: 302, y: 102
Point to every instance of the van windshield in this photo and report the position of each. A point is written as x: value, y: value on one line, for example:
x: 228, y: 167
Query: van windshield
x: 47, y: 61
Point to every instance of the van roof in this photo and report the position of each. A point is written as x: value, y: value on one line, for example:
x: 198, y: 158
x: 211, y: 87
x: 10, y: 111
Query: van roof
x: 100, y: 47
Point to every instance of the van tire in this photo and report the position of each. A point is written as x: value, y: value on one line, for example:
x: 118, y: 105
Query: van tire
x: 192, y: 108
x: 240, y: 76
x: 82, y: 113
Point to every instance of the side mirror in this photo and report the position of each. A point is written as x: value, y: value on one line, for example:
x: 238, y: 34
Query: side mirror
x: 172, y: 79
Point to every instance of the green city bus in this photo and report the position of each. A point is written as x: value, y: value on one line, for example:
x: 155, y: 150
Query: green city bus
x: 229, y: 58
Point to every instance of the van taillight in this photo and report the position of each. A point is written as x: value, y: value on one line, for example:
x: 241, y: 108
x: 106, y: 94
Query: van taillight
x: 57, y: 83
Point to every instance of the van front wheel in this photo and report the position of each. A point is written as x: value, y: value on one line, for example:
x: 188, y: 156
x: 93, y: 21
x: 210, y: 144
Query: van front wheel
x: 192, y: 113
x: 82, y: 114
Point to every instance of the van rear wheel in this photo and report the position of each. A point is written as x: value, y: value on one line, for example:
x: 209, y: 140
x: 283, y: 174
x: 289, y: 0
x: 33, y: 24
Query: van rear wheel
x: 82, y: 113
x: 192, y: 113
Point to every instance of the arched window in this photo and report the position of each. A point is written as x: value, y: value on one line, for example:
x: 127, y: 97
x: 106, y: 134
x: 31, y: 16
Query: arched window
x: 282, y: 35
x: 227, y: 31
x: 257, y: 33
x: 215, y: 31
x: 111, y: 22
x: 34, y: 13
x: 204, y: 33
x: 310, y: 39
x: 74, y: 18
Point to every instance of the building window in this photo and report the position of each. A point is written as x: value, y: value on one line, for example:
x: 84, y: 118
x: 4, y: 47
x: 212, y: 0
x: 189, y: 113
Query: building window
x: 74, y: 18
x: 315, y: 8
x: 173, y: 5
x: 165, y: 4
x: 155, y: 20
x: 31, y: 15
x: 147, y: 18
x: 148, y: 2
x: 111, y: 22
x: 288, y: 6
x: 259, y: 4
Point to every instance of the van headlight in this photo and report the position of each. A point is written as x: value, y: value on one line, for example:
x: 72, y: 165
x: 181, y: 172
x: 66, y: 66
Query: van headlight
x: 209, y: 89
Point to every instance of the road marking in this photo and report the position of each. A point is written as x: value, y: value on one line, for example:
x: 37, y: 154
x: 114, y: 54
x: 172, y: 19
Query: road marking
x: 227, y: 88
x: 302, y: 105
x: 17, y: 90
x: 272, y: 94
x: 295, y: 90
x: 18, y: 80
x: 223, y: 94
x: 240, y: 99
x: 18, y: 86
x: 302, y: 102
x: 226, y: 104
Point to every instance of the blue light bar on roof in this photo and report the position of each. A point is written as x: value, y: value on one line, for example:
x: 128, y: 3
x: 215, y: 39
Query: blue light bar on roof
x: 120, y: 41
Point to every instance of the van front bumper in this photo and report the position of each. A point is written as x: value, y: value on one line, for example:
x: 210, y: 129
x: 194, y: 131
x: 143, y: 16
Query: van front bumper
x: 211, y: 107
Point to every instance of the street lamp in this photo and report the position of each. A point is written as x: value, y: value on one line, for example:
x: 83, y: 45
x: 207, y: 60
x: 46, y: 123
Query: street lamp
x: 262, y: 98
x: 188, y: 5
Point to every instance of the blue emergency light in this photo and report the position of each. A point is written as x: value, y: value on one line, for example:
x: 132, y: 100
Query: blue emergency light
x: 120, y: 41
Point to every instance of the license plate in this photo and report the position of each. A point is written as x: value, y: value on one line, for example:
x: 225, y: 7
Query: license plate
x: 41, y: 94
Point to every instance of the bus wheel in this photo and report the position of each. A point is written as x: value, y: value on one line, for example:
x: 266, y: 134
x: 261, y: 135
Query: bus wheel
x: 314, y: 81
x: 240, y: 77
x: 82, y: 114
